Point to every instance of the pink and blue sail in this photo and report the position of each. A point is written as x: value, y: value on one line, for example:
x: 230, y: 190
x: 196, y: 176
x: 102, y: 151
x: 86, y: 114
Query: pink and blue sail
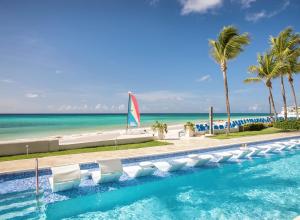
x: 133, y: 117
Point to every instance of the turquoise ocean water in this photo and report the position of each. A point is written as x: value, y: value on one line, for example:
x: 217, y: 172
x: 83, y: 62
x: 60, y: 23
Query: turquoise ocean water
x: 14, y: 126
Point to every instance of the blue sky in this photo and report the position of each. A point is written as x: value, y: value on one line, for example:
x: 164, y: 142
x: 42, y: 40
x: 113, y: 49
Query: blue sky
x: 83, y: 56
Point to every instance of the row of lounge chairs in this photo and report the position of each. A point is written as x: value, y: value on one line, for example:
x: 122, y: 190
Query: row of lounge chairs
x: 233, y: 124
x: 70, y: 176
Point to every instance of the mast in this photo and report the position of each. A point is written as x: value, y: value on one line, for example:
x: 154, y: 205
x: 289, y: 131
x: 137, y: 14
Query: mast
x: 128, y: 106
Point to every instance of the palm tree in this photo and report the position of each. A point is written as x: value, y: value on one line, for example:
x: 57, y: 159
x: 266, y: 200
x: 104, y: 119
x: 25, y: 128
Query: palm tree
x: 267, y: 69
x: 285, y: 47
x: 293, y: 67
x: 228, y: 46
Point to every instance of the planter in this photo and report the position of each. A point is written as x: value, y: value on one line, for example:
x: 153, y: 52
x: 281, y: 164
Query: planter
x: 189, y: 133
x: 160, y: 135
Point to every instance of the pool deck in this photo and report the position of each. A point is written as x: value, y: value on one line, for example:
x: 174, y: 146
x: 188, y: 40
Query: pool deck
x: 194, y: 143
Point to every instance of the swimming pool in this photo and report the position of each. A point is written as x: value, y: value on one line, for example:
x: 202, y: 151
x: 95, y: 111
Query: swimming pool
x: 262, y: 188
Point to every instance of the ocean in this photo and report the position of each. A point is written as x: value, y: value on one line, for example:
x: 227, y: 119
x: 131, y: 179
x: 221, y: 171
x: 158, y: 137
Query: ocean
x: 17, y: 126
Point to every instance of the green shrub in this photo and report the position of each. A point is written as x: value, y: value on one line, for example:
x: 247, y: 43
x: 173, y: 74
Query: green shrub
x: 254, y: 127
x: 287, y: 125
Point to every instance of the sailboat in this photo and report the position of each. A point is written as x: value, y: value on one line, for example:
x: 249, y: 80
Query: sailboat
x: 133, y: 115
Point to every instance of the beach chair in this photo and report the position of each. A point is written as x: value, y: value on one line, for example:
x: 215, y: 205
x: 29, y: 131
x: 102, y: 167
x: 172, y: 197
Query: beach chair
x: 254, y: 151
x: 195, y: 160
x: 216, y: 127
x: 202, y: 128
x: 65, y: 177
x: 241, y: 153
x: 221, y: 127
x: 170, y: 166
x: 281, y: 146
x: 290, y: 143
x: 109, y: 171
x: 206, y: 127
x: 296, y: 142
x: 222, y: 157
x: 143, y: 169
x: 267, y: 148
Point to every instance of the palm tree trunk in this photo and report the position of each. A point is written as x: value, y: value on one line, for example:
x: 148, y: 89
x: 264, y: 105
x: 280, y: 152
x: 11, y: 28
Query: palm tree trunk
x: 272, y: 102
x: 283, y: 97
x: 224, y: 71
x: 291, y: 81
x: 270, y: 106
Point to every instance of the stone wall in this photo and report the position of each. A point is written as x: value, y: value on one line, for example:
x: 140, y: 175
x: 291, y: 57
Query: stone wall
x: 42, y: 146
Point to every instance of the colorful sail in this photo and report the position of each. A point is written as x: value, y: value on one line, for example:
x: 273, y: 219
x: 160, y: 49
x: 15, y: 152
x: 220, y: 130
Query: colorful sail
x: 133, y: 118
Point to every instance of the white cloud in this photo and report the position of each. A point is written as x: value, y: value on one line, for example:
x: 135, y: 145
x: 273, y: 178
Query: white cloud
x: 73, y: 108
x: 31, y: 95
x: 204, y: 78
x: 247, y: 3
x: 153, y: 2
x: 98, y: 106
x: 101, y: 107
x: 254, y: 108
x: 199, y: 6
x: 58, y: 71
x: 121, y: 107
x: 117, y: 108
x: 163, y: 95
x: 254, y: 17
x: 8, y: 81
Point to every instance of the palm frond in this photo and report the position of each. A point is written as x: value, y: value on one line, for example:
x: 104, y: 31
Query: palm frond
x: 235, y: 45
x: 215, y: 51
x: 252, y: 79
x: 228, y: 44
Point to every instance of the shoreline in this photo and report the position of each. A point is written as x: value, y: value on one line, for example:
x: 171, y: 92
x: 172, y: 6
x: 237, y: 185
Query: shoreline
x: 24, y: 127
x: 109, y: 132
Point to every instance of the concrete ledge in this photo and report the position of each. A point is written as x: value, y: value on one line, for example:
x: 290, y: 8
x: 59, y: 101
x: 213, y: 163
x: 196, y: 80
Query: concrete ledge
x: 110, y: 142
x: 50, y: 145
x: 38, y: 146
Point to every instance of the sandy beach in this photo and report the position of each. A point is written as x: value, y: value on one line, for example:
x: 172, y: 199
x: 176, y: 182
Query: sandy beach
x: 102, y: 135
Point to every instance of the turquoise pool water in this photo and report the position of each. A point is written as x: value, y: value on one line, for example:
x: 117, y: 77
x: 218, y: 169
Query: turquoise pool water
x: 259, y: 189
x: 262, y: 188
x: 266, y: 187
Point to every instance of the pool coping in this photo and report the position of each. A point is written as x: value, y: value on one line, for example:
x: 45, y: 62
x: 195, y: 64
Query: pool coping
x: 135, y: 159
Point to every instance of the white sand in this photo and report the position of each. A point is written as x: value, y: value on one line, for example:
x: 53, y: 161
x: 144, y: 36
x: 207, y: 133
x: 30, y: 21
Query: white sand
x: 104, y: 135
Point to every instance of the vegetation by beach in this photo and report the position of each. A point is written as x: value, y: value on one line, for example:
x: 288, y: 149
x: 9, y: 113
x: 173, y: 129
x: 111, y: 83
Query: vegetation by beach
x: 288, y: 125
x: 85, y: 150
x: 248, y: 133
x: 281, y: 60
